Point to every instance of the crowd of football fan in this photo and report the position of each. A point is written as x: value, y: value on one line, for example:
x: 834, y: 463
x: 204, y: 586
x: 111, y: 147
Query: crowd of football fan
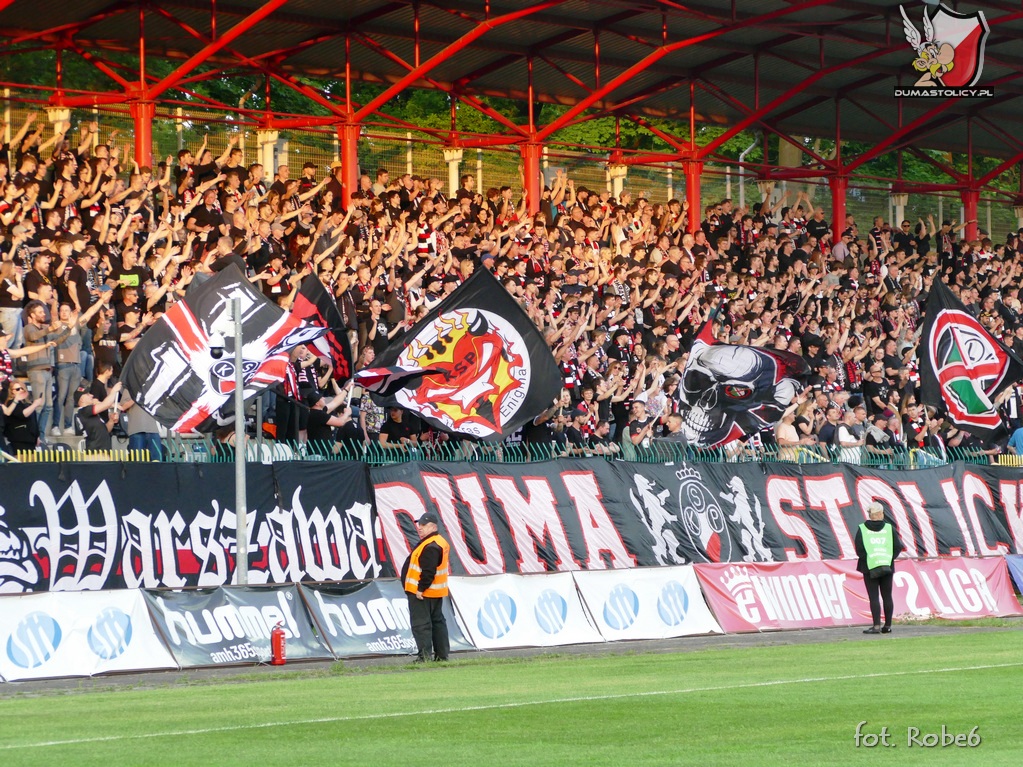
x: 94, y: 249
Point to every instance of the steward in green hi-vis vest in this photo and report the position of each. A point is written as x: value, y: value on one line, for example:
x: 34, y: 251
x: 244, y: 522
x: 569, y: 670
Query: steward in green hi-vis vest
x: 879, y: 546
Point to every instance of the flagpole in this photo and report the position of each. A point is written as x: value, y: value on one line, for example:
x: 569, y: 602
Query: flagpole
x: 240, y: 456
x: 259, y: 427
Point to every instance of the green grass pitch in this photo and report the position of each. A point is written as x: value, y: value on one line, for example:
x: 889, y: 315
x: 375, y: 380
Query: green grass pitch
x: 780, y: 705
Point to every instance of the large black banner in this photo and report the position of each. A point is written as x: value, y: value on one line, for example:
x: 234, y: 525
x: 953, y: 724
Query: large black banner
x: 587, y: 514
x: 782, y: 512
x: 537, y: 517
x: 94, y: 526
x: 371, y: 618
x: 213, y: 627
x: 75, y: 527
x: 325, y: 527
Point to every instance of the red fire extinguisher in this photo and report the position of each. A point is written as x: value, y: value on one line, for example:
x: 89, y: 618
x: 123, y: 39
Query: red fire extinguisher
x: 277, y: 645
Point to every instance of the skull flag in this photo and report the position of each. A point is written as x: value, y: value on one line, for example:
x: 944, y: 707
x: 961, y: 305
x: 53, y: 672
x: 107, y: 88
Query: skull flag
x: 314, y: 305
x: 172, y: 373
x: 730, y: 391
x: 963, y: 366
x: 490, y: 369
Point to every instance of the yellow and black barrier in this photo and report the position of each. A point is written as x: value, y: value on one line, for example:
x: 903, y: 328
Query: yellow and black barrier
x: 80, y: 456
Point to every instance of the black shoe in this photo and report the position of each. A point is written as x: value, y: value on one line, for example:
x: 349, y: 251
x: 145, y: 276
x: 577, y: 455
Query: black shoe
x: 872, y: 630
x: 886, y: 629
x: 438, y: 659
x: 419, y: 659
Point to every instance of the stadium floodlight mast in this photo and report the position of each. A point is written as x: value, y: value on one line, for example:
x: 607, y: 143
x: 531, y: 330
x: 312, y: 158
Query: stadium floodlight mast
x: 234, y: 329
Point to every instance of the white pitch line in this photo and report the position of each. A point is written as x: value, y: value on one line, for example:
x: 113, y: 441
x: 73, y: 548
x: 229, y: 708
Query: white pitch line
x: 496, y: 706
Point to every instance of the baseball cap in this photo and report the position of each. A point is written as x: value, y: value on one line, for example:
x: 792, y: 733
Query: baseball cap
x: 80, y: 392
x: 429, y: 518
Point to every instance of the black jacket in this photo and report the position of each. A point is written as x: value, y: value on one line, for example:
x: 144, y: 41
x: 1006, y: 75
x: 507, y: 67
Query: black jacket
x: 429, y: 561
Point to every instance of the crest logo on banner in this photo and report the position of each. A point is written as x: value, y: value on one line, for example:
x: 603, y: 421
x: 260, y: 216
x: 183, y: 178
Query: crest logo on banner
x: 962, y: 366
x: 34, y: 640
x: 621, y: 607
x: 696, y: 529
x: 969, y: 367
x: 476, y: 364
x: 673, y: 603
x: 949, y: 48
x: 702, y: 518
x: 222, y: 375
x: 480, y: 372
x: 497, y: 615
x: 110, y: 634
x: 551, y: 611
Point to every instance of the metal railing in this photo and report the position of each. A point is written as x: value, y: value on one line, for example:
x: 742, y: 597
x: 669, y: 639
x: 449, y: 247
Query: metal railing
x: 204, y: 449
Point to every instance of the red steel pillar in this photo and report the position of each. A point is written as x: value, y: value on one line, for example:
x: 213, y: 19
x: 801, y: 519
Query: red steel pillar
x: 971, y: 199
x: 531, y: 152
x: 348, y: 136
x: 838, y: 185
x: 692, y: 170
x: 142, y: 113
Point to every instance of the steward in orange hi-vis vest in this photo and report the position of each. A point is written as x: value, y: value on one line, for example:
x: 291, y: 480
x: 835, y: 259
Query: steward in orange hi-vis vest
x: 425, y: 576
x: 425, y: 579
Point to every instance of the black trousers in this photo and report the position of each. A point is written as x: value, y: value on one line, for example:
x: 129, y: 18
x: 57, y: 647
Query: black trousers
x: 879, y: 590
x: 429, y: 628
x: 286, y: 420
